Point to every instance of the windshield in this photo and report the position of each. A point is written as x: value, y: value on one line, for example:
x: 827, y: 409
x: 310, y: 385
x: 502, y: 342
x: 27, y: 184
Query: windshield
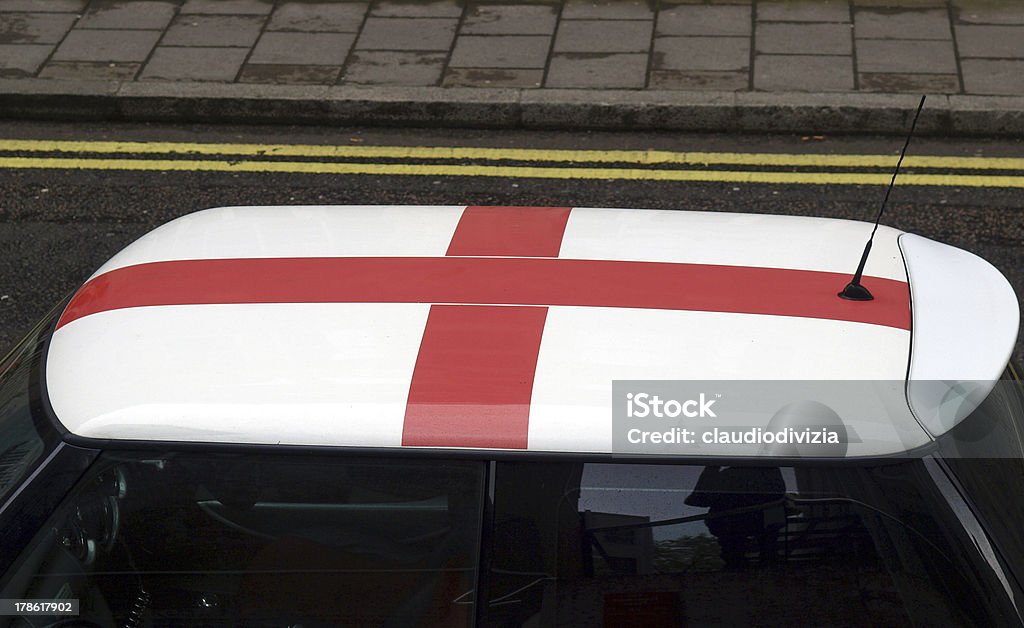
x: 608, y: 544
x: 985, y: 454
x: 167, y: 539
x: 25, y: 436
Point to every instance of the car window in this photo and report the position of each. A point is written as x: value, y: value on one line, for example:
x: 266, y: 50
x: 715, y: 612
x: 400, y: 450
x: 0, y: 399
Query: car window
x: 985, y: 452
x: 668, y: 545
x: 247, y: 540
x: 25, y: 437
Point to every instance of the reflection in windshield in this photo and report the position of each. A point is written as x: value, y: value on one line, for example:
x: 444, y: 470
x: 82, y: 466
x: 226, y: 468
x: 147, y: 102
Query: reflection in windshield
x: 664, y: 545
x: 728, y: 494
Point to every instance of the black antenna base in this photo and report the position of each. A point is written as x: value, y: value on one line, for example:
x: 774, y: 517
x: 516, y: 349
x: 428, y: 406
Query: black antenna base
x: 856, y: 292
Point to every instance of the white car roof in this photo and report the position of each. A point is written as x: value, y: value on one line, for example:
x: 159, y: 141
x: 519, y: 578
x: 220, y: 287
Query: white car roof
x: 500, y: 328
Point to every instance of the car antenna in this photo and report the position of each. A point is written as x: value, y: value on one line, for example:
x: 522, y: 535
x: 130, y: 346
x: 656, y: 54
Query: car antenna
x: 854, y: 291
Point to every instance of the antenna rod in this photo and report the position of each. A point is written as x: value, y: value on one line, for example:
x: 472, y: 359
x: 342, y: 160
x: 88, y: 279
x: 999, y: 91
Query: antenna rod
x: 854, y: 291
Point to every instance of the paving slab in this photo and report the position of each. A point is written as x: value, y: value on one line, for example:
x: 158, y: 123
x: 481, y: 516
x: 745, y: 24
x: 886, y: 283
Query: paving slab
x: 23, y: 59
x: 899, y: 5
x: 395, y: 68
x: 44, y: 6
x: 803, y: 73
x: 492, y: 77
x: 604, y: 36
x: 214, y: 30
x: 330, y: 17
x: 550, y: 3
x: 90, y: 70
x: 503, y: 51
x: 229, y: 7
x: 427, y: 34
x: 510, y: 19
x: 34, y: 28
x: 701, y: 53
x: 668, y: 3
x: 194, y: 64
x: 285, y: 74
x: 303, y: 48
x: 416, y: 8
x: 607, y: 10
x: 701, y: 80
x: 803, y: 11
x: 106, y: 45
x: 94, y: 71
x: 988, y: 12
x: 995, y: 42
x: 704, y: 20
x: 902, y: 24
x: 994, y: 76
x: 607, y: 71
x: 894, y: 82
x: 711, y: 2
x: 137, y: 14
x: 804, y: 38
x: 906, y: 56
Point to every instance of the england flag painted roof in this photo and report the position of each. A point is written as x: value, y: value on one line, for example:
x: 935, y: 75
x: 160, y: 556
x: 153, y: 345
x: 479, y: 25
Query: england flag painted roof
x: 501, y: 328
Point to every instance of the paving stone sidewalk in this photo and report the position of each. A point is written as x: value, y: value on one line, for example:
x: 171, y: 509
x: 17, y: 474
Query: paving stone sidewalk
x: 972, y: 47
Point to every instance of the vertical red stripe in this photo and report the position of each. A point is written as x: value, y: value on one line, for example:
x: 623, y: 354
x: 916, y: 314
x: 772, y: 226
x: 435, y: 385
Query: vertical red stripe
x: 474, y: 377
x: 474, y: 373
x: 510, y: 231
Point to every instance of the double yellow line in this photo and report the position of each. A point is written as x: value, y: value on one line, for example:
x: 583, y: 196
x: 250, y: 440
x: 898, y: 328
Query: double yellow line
x: 637, y: 165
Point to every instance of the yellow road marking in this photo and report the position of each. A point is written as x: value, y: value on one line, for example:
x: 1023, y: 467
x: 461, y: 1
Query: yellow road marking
x: 457, y: 170
x: 638, y: 157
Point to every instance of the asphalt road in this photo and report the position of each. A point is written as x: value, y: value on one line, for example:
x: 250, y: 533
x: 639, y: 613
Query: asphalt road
x: 57, y: 225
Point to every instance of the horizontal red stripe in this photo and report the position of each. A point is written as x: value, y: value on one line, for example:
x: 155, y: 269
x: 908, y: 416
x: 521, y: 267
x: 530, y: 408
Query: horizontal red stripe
x: 510, y: 231
x: 492, y: 281
x: 474, y: 377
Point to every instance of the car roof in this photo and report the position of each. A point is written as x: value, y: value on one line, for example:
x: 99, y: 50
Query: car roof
x: 497, y: 327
